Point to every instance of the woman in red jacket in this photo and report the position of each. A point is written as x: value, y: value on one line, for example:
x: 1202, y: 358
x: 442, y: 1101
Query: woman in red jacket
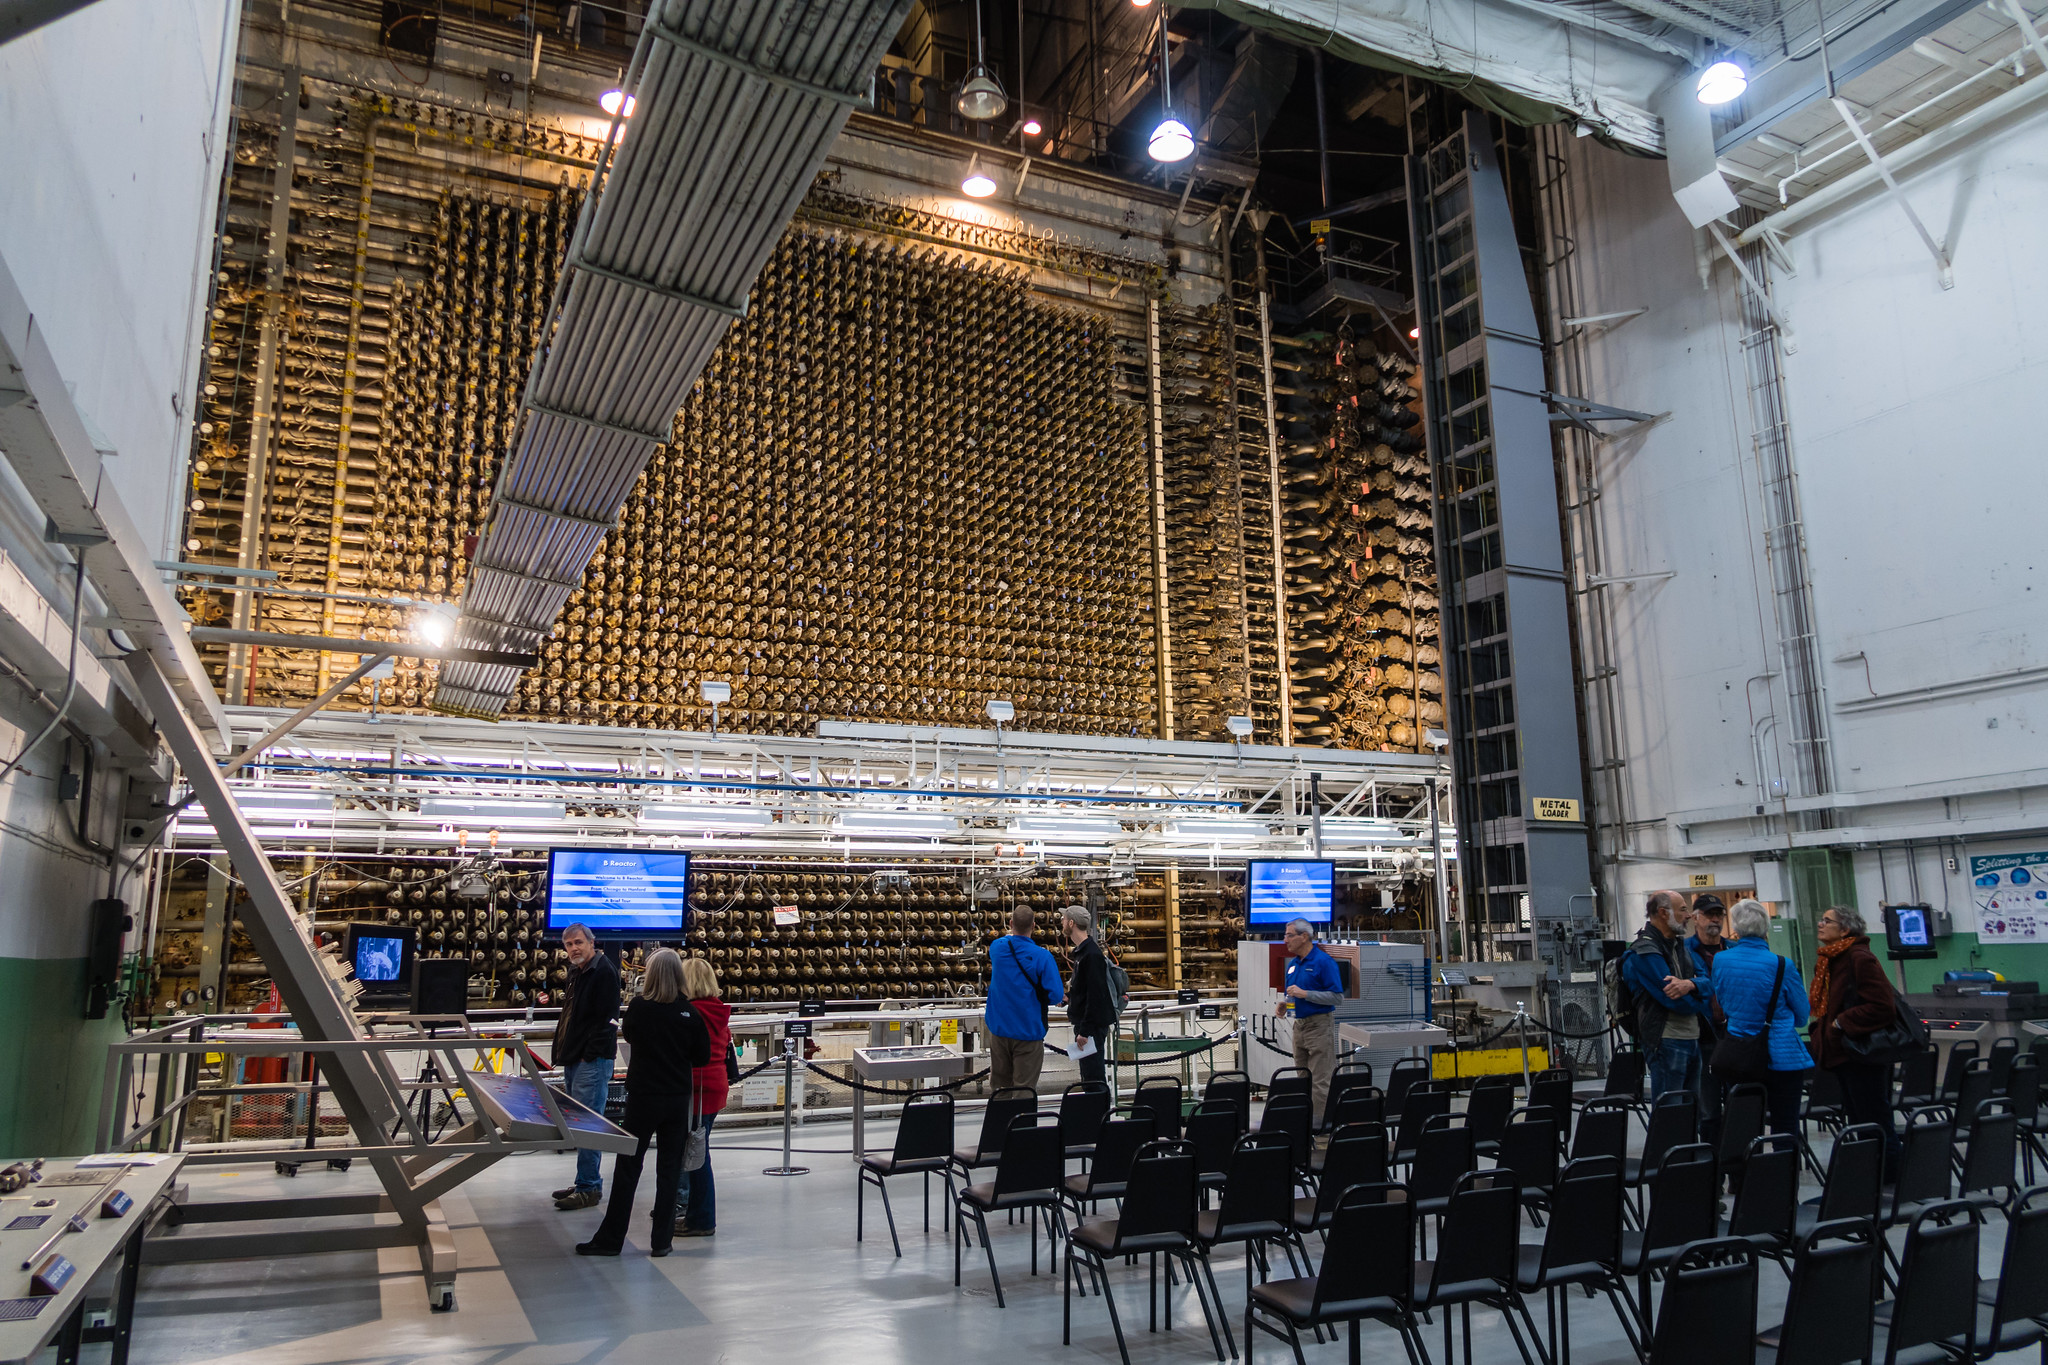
x: 698, y: 1216
x: 1852, y: 999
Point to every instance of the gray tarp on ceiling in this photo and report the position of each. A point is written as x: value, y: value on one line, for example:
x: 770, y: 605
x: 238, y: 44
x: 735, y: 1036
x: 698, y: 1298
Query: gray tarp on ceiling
x: 1510, y: 56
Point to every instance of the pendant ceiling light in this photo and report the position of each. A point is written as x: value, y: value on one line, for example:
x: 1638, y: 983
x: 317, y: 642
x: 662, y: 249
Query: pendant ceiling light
x: 1170, y: 141
x: 1722, y: 82
x: 981, y: 94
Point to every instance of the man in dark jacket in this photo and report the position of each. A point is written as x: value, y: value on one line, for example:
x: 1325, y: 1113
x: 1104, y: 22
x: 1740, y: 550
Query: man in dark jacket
x: 1091, y: 1006
x: 1708, y: 917
x: 586, y: 1044
x: 1671, y: 994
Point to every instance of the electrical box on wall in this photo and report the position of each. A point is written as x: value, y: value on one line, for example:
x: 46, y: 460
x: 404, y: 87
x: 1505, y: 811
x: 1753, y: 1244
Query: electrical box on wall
x: 1770, y: 881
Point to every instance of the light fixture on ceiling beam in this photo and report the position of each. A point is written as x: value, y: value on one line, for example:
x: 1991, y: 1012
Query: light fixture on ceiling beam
x: 617, y: 103
x: 716, y: 694
x: 1067, y: 826
x: 1170, y: 141
x: 436, y: 625
x: 299, y: 805
x: 706, y: 818
x: 450, y: 810
x: 903, y: 824
x: 981, y: 95
x: 977, y: 183
x: 1722, y: 82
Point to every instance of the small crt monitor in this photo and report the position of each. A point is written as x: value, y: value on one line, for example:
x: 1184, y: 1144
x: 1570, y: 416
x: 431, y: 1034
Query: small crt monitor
x: 382, y: 956
x: 1909, y: 932
x: 1280, y: 889
x: 619, y: 893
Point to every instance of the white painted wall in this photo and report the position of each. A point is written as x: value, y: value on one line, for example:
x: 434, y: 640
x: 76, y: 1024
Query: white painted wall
x: 113, y: 123
x: 1919, y: 421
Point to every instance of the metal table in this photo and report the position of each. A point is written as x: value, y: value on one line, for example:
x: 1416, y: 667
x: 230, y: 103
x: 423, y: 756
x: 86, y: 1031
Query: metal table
x: 932, y: 1061
x: 29, y: 1322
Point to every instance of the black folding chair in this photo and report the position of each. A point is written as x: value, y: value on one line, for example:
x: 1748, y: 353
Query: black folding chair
x: 1602, y: 1130
x: 1926, y: 1174
x: 1083, y: 1107
x: 1582, y: 1246
x: 1477, y: 1260
x: 1257, y: 1208
x: 1855, y: 1177
x: 1401, y: 1077
x: 2023, y: 1091
x: 2013, y: 1309
x: 1157, y: 1217
x: 1290, y: 1080
x: 1822, y: 1105
x: 1684, y: 1207
x: 1426, y: 1100
x: 1361, y: 1104
x: 1487, y: 1109
x: 1766, y: 1207
x: 924, y: 1146
x: 1288, y: 1116
x: 1528, y: 1147
x: 1934, y: 1316
x: 1552, y: 1090
x: 1973, y: 1087
x: 1990, y: 1157
x: 2003, y: 1051
x: 1116, y: 1145
x: 1960, y: 1055
x: 1161, y: 1095
x: 1443, y: 1156
x: 1917, y: 1078
x: 1235, y: 1089
x: 1212, y: 1131
x: 1829, y: 1317
x: 1742, y: 1122
x: 1708, y: 1316
x: 1627, y: 1069
x: 1003, y: 1108
x: 1348, y: 1077
x: 1366, y: 1274
x: 1028, y: 1177
x: 1674, y: 1122
x: 1357, y: 1155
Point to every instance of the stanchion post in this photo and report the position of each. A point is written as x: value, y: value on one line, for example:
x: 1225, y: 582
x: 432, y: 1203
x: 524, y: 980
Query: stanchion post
x: 1522, y: 1029
x: 791, y: 1032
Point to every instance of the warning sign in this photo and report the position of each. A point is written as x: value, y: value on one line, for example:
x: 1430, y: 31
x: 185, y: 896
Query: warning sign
x: 1553, y: 808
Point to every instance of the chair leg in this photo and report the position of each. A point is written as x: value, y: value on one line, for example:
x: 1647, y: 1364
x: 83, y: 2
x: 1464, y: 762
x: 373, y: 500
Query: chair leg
x: 1294, y: 1340
x: 1209, y: 1273
x: 1202, y: 1297
x: 860, y: 1190
x: 890, y: 1214
x: 981, y: 1226
x: 1115, y: 1321
x: 1628, y: 1326
x: 1067, y: 1303
x: 1521, y: 1305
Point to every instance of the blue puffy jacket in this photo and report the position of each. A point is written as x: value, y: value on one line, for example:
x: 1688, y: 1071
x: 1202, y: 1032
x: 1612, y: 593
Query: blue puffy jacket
x: 1743, y: 972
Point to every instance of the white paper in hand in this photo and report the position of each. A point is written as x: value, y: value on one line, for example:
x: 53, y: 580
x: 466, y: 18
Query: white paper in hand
x: 1084, y: 1046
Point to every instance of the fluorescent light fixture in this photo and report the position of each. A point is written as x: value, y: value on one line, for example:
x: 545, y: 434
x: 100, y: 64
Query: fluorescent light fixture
x: 1722, y: 82
x: 613, y: 101
x: 1069, y: 826
x: 716, y: 693
x: 706, y: 817
x: 1171, y: 141
x: 1349, y: 830
x: 910, y: 823
x: 298, y: 805
x: 1001, y: 712
x: 493, y: 812
x: 436, y: 625
x: 1217, y: 831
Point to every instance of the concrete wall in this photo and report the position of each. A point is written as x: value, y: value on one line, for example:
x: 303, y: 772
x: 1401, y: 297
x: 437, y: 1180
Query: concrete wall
x: 113, y: 126
x: 1916, y: 415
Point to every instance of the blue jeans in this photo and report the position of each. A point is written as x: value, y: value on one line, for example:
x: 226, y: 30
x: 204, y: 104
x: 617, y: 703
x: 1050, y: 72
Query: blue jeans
x: 700, y: 1195
x: 589, y: 1084
x: 1675, y: 1065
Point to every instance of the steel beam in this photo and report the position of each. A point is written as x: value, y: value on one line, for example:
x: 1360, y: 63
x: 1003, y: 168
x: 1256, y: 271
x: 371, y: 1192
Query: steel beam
x: 348, y: 645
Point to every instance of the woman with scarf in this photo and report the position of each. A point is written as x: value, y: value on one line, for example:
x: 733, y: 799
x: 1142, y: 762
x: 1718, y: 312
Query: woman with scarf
x: 1852, y: 999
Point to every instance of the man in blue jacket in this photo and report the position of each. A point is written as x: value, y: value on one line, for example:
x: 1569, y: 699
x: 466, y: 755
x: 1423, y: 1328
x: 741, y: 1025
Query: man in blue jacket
x: 1671, y: 995
x: 1314, y: 990
x: 1023, y: 983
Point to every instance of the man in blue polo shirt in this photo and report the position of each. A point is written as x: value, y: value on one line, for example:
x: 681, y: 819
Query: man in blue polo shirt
x: 1023, y: 983
x: 1314, y: 989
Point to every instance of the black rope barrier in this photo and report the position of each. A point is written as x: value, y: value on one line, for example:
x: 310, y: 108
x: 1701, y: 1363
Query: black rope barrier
x: 853, y: 1083
x: 1169, y: 1058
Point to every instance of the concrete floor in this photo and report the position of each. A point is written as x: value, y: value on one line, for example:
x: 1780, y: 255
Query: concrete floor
x: 783, y: 1281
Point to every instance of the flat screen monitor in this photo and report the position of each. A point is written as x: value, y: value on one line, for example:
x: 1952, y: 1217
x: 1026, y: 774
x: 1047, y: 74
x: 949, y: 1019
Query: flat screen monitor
x: 382, y: 956
x: 1909, y: 932
x: 619, y: 893
x: 1280, y: 889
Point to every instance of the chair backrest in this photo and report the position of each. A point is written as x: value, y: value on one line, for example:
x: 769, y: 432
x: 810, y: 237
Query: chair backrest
x: 2023, y: 1276
x: 1212, y: 1131
x: 1033, y: 1157
x: 1481, y: 1237
x: 1003, y: 1108
x: 1426, y: 1100
x: 2023, y: 1088
x: 1348, y: 1077
x: 1602, y: 1129
x: 1492, y: 1100
x: 1116, y: 1144
x: 1161, y: 1095
x: 1552, y: 1090
x: 1159, y: 1196
x: 1916, y: 1072
x: 1960, y: 1055
x: 1708, y: 1313
x: 1992, y: 1149
x: 1767, y: 1203
x: 1925, y: 1168
x: 1855, y: 1174
x: 1258, y: 1190
x: 1290, y: 1080
x: 1830, y: 1304
x: 1443, y: 1154
x: 1823, y: 1095
x: 1972, y: 1089
x: 1625, y: 1072
x: 2039, y: 1051
x: 1403, y: 1075
x: 925, y: 1132
x: 2003, y: 1050
x: 1368, y: 1249
x: 1359, y: 1104
x: 1083, y: 1107
x: 1684, y: 1198
x: 1937, y: 1299
x: 1236, y: 1088
x: 1528, y: 1147
x: 1742, y: 1122
x: 1585, y: 1223
x: 1674, y: 1122
x: 1287, y: 1115
x: 1357, y: 1155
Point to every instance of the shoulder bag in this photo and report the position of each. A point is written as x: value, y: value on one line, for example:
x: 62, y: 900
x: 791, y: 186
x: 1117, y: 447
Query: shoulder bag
x: 1905, y: 1035
x: 1044, y: 995
x: 1737, y: 1058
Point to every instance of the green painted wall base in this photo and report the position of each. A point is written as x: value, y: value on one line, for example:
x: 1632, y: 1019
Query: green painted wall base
x: 1962, y: 952
x: 52, y: 1060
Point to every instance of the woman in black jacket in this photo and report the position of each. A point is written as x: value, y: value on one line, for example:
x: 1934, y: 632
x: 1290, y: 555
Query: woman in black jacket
x: 669, y: 1041
x: 1091, y: 1007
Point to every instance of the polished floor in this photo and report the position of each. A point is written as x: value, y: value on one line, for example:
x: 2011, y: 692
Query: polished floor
x: 782, y: 1281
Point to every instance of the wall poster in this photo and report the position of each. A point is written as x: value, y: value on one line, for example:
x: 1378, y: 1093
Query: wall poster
x: 2011, y: 895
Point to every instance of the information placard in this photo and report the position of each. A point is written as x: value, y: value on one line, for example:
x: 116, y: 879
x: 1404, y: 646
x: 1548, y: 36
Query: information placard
x: 2011, y: 894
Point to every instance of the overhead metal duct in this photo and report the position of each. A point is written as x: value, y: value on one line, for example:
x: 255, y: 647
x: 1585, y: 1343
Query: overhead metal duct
x: 735, y: 106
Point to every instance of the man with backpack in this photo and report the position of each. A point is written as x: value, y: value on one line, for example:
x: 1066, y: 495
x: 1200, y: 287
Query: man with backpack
x: 1671, y: 995
x: 1091, y: 999
x: 1023, y: 984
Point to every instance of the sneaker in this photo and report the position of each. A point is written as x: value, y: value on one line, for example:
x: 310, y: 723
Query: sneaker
x: 596, y: 1249
x: 579, y: 1199
x: 564, y: 1192
x: 696, y: 1232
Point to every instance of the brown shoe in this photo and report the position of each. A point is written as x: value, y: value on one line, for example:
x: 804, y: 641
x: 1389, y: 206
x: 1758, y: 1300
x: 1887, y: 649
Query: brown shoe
x: 696, y: 1232
x: 563, y: 1193
x: 579, y: 1199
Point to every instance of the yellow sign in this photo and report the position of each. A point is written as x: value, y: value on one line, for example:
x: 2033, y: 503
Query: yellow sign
x: 1553, y: 808
x: 1700, y: 879
x: 1319, y: 227
x: 949, y: 1032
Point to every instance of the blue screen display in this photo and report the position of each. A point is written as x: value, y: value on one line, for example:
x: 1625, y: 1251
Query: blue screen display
x: 619, y: 891
x: 1280, y: 890
x: 1913, y: 929
x: 378, y: 958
